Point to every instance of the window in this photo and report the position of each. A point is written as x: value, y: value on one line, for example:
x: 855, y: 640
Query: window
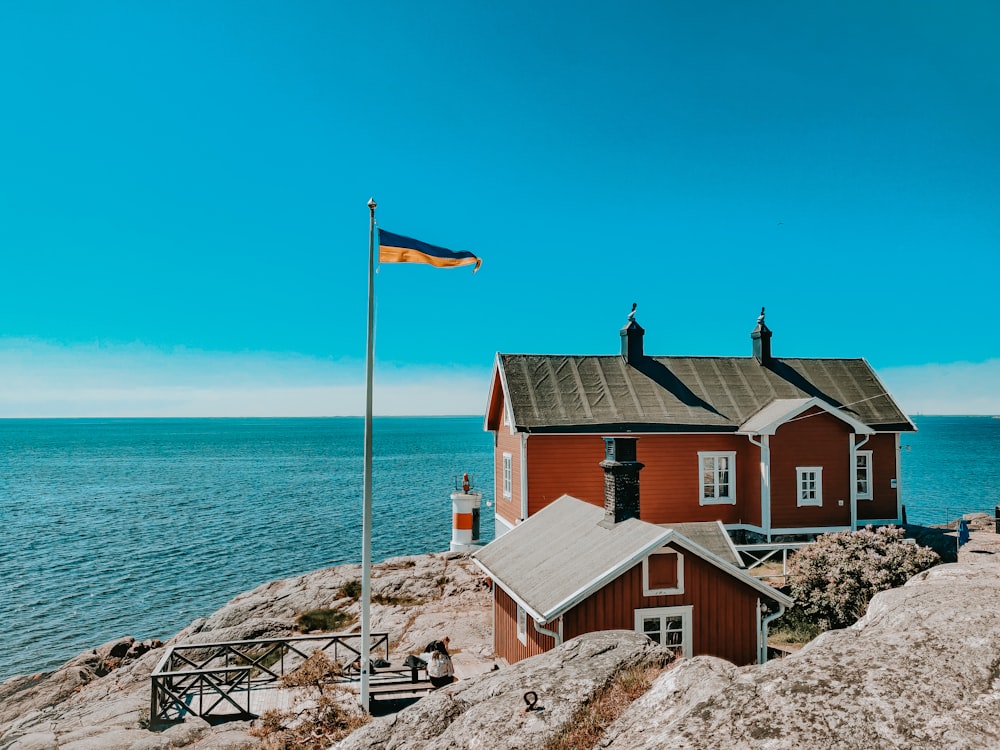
x: 863, y: 474
x: 663, y: 573
x: 522, y: 625
x: 668, y: 626
x: 810, y: 485
x: 507, y: 475
x: 718, y: 477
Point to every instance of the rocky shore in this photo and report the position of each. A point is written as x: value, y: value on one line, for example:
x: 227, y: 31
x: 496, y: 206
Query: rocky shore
x: 918, y: 671
x: 99, y: 700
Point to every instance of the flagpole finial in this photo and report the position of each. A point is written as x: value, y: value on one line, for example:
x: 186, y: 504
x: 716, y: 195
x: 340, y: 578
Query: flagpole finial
x: 372, y: 204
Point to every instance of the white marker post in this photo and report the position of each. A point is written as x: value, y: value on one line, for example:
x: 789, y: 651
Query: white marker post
x: 366, y: 518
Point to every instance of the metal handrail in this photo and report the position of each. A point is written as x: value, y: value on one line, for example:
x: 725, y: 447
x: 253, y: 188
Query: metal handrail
x: 226, y: 667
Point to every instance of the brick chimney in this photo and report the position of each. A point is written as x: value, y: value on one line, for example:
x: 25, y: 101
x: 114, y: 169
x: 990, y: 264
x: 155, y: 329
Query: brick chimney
x: 621, y: 480
x: 632, y: 340
x: 761, y: 337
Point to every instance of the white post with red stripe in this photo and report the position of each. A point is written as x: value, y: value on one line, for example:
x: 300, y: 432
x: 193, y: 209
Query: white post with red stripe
x: 464, y: 505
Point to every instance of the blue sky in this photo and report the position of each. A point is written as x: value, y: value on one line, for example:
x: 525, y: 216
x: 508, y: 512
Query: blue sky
x: 182, y: 196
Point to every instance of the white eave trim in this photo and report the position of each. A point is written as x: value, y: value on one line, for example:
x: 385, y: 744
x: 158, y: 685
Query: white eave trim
x: 500, y: 376
x: 796, y: 406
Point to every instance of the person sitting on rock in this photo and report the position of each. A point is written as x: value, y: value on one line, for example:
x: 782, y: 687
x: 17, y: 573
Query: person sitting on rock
x: 439, y: 668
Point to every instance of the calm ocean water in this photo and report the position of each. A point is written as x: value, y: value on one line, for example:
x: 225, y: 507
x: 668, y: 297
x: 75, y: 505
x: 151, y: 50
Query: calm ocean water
x: 114, y: 527
x: 137, y: 527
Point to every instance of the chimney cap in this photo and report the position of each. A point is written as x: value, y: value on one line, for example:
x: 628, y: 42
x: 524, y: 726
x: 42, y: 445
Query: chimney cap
x: 761, y: 325
x: 631, y: 335
x: 761, y: 338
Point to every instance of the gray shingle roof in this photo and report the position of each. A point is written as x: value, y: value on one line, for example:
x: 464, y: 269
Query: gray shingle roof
x: 711, y: 536
x: 559, y: 393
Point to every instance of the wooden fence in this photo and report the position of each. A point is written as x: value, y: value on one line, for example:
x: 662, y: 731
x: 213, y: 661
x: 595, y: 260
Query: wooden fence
x: 218, y: 678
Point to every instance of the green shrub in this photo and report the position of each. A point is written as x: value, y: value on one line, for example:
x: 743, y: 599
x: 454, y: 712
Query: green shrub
x: 351, y: 589
x: 795, y: 626
x: 324, y: 619
x: 393, y: 600
x: 833, y: 580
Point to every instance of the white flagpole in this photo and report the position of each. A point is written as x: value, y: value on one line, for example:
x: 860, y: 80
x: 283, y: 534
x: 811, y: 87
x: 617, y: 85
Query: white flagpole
x: 366, y: 521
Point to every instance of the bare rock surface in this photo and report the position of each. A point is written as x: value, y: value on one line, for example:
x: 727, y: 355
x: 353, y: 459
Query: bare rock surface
x: 97, y: 700
x: 920, y: 670
x: 489, y: 711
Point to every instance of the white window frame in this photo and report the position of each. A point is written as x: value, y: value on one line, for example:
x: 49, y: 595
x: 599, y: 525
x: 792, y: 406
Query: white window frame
x: 684, y: 612
x: 868, y: 474
x: 678, y: 589
x: 717, y: 499
x: 802, y: 494
x: 508, y: 476
x: 522, y: 625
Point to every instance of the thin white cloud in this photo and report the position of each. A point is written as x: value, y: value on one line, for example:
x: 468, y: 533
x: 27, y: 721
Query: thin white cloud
x: 946, y: 388
x: 41, y: 379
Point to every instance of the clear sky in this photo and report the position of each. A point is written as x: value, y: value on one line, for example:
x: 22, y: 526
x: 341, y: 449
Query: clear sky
x: 184, y: 232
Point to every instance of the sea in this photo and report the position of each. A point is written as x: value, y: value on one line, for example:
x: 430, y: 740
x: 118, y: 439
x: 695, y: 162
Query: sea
x: 112, y: 527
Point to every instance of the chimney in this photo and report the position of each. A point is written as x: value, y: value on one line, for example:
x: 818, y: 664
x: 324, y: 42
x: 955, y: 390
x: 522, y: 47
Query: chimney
x: 621, y: 480
x: 632, y: 340
x: 761, y: 337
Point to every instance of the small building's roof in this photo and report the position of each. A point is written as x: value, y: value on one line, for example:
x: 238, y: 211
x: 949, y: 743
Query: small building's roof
x: 711, y: 536
x: 564, y: 553
x: 562, y: 393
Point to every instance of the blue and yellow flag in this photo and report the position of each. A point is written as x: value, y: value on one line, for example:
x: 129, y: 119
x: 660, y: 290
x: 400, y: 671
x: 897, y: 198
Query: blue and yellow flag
x: 395, y: 248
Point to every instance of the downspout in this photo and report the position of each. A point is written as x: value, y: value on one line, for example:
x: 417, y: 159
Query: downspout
x: 854, y: 478
x: 556, y: 635
x: 524, y: 476
x: 762, y: 656
x: 765, y: 482
x: 899, y: 480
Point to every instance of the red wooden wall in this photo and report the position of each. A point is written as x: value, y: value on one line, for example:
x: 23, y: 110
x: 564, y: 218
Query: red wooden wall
x: 724, y: 616
x: 508, y: 509
x: 816, y: 438
x: 505, y: 640
x: 668, y: 484
x: 884, y: 469
x: 568, y: 464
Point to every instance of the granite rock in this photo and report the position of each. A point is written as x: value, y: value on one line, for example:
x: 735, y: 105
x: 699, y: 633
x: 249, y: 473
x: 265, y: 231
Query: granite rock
x: 490, y: 712
x: 920, y: 670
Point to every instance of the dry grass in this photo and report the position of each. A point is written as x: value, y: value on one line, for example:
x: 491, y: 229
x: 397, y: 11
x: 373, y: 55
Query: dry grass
x: 329, y: 717
x: 588, y: 726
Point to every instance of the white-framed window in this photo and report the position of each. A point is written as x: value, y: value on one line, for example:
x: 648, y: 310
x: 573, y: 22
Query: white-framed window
x: 863, y: 474
x: 717, y: 472
x: 508, y: 475
x: 668, y: 626
x: 809, y: 481
x: 663, y: 573
x: 522, y: 625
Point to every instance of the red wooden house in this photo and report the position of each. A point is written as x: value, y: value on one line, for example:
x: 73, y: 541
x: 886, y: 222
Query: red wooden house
x: 574, y: 568
x: 768, y: 445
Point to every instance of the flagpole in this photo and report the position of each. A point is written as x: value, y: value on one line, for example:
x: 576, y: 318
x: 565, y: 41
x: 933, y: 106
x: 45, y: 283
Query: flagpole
x: 366, y: 521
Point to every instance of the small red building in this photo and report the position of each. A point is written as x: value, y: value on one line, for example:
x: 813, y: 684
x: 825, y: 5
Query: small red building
x: 767, y: 445
x: 573, y: 568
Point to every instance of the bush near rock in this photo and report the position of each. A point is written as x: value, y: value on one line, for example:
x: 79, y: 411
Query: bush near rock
x: 833, y: 580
